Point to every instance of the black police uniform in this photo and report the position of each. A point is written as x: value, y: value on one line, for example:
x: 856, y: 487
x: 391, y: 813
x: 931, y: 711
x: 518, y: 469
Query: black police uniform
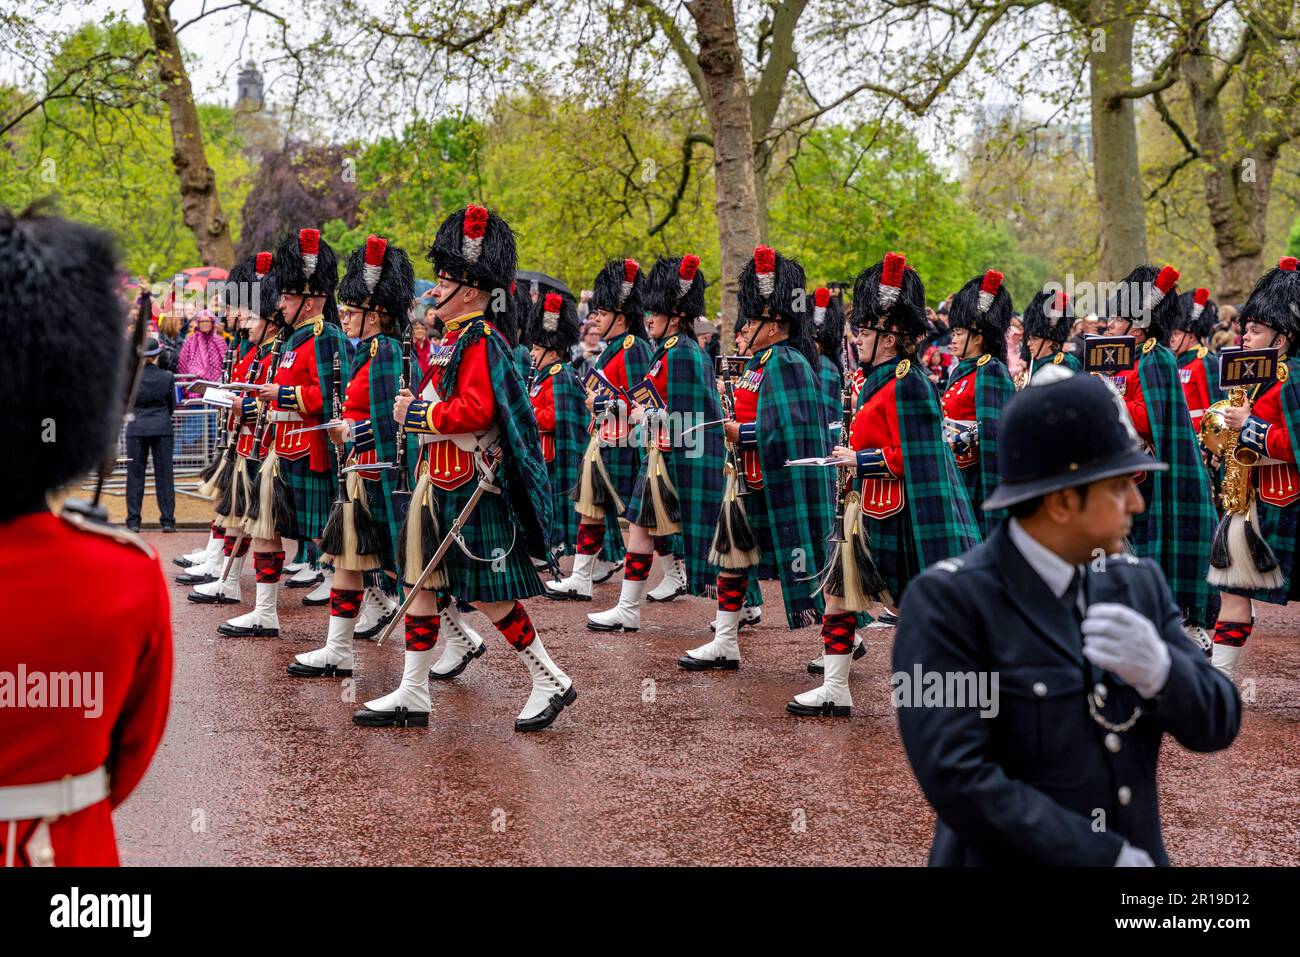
x: 1044, y: 782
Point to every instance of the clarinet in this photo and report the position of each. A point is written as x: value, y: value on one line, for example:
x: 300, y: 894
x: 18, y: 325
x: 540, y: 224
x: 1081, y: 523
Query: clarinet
x: 228, y: 363
x: 729, y: 410
x: 845, y: 478
x: 263, y: 421
x: 403, y: 382
x: 342, y: 496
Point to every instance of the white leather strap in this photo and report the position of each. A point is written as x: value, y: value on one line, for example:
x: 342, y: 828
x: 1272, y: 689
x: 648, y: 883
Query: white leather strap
x: 279, y: 415
x: 52, y: 799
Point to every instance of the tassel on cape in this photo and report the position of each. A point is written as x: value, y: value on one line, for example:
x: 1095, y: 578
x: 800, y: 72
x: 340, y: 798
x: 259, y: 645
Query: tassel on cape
x: 660, y: 510
x: 734, y: 546
x: 595, y: 495
x: 852, y: 575
x: 351, y: 539
x: 421, y: 536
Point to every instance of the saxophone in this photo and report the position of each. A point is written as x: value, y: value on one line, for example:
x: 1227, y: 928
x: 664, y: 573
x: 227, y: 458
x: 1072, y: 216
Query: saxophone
x: 1218, y: 439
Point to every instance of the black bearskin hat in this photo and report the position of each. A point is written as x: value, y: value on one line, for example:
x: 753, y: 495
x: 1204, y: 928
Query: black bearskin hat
x: 553, y: 324
x: 305, y: 264
x: 1275, y: 301
x: 250, y: 284
x: 620, y: 288
x: 1147, y: 298
x: 1197, y: 313
x: 890, y: 297
x: 1050, y: 316
x: 476, y: 248
x: 772, y: 287
x: 379, y: 275
x: 984, y: 307
x: 828, y: 325
x: 60, y: 307
x: 676, y: 288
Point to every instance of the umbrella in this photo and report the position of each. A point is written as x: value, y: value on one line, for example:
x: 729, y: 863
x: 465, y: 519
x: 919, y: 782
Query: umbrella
x: 200, y: 276
x: 543, y: 280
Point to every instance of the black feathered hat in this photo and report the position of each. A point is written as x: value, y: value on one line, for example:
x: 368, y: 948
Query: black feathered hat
x: 60, y: 308
x: 1050, y: 316
x: 553, y: 324
x: 476, y: 248
x: 1275, y: 301
x: 304, y: 264
x: 983, y: 307
x: 251, y: 285
x: 620, y: 288
x: 1147, y: 298
x: 1197, y: 313
x: 828, y: 324
x: 772, y: 287
x: 676, y: 288
x: 379, y: 276
x: 890, y: 297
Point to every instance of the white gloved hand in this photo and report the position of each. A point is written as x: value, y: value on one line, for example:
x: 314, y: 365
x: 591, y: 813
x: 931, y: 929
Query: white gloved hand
x: 1119, y: 640
x: 1130, y: 856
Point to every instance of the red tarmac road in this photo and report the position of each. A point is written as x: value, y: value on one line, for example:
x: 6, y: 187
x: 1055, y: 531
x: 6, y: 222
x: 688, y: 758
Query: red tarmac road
x: 652, y: 765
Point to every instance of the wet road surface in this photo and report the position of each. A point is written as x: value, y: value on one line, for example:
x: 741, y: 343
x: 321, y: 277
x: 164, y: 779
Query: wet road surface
x: 651, y: 765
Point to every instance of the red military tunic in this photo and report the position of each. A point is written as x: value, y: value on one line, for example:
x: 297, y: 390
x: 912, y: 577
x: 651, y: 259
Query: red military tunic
x: 248, y: 405
x: 746, y: 410
x: 1196, y: 387
x: 1129, y: 385
x: 615, y: 427
x: 114, y: 624
x: 875, y: 426
x: 301, y: 403
x: 958, y: 404
x: 356, y: 408
x: 658, y: 374
x: 1279, y: 483
x: 542, y: 397
x: 469, y: 412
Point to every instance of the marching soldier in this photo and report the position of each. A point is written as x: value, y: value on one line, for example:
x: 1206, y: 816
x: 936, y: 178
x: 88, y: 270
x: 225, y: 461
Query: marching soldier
x: 779, y: 528
x: 360, y: 536
x: 1268, y: 427
x: 611, y: 462
x: 1177, y: 526
x: 1055, y: 765
x: 678, y: 487
x: 1198, y: 368
x: 74, y: 751
x: 1048, y: 319
x: 473, y: 415
x: 297, y: 475
x: 980, y: 385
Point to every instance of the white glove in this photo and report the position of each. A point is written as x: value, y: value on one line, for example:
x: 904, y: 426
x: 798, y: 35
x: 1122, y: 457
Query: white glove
x: 1119, y: 640
x: 1130, y: 856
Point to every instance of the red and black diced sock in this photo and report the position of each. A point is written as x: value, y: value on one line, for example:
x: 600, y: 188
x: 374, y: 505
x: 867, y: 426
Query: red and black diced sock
x: 1232, y: 633
x: 662, y: 545
x: 731, y: 592
x: 243, y: 549
x: 218, y: 531
x: 345, y: 602
x: 636, y: 566
x: 590, y: 538
x: 229, y: 546
x: 517, y: 627
x: 421, y: 631
x: 837, y: 633
x: 268, y: 566
x: 443, y: 599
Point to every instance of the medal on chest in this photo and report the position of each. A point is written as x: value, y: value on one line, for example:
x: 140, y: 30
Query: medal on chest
x: 287, y: 360
x: 654, y: 369
x: 1185, y: 374
x: 1121, y: 384
x: 751, y: 380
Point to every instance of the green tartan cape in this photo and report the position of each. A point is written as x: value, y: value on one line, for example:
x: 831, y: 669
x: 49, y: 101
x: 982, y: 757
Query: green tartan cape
x: 385, y: 373
x: 1280, y: 527
x: 313, y: 492
x: 622, y: 462
x: 570, y: 443
x: 696, y: 472
x: 1177, y: 528
x: 791, y: 424
x: 831, y: 384
x: 1068, y: 359
x: 936, y: 521
x: 993, y: 389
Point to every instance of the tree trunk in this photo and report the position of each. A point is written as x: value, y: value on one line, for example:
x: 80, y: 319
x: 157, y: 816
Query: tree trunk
x: 727, y: 100
x: 200, y: 204
x: 1117, y: 175
x: 1237, y: 181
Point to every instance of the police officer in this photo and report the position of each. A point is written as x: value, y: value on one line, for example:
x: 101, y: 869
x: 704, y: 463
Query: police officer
x: 1057, y: 766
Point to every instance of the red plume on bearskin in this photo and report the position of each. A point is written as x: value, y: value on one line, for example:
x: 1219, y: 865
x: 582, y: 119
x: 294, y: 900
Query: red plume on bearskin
x: 765, y: 269
x: 821, y: 299
x: 309, y: 249
x: 1166, y: 279
x: 1060, y: 303
x: 891, y: 278
x: 1288, y: 263
x: 476, y: 220
x: 630, y: 268
x: 1199, y: 299
x: 690, y: 265
x: 551, y: 311
x: 989, y: 289
x: 262, y: 265
x: 375, y: 249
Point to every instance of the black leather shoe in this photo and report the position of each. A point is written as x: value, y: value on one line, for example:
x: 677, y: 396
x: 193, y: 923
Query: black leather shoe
x: 372, y: 632
x: 168, y: 529
x: 201, y: 599
x: 397, y: 718
x: 826, y: 709
x: 313, y: 602
x: 888, y: 618
x: 309, y: 583
x: 257, y: 631
x: 188, y: 579
x: 593, y: 626
x: 552, y: 711
x: 556, y: 594
x: 607, y: 576
x: 816, y: 669
x: 299, y: 670
x: 708, y: 664
x: 464, y: 663
x: 182, y: 562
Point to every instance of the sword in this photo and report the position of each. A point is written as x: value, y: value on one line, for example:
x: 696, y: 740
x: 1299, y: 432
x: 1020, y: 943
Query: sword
x: 484, y: 485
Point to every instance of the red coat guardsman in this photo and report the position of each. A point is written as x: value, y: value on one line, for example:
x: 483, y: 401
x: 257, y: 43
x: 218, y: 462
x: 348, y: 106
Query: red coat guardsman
x: 85, y: 674
x: 1198, y: 368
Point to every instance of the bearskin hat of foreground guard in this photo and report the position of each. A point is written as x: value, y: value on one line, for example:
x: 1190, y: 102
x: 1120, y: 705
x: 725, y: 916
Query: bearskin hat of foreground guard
x: 379, y: 276
x: 771, y: 288
x: 1148, y: 298
x: 553, y: 324
x: 305, y: 264
x: 59, y: 306
x: 676, y: 288
x: 475, y: 247
x: 889, y: 296
x: 620, y: 287
x: 983, y: 307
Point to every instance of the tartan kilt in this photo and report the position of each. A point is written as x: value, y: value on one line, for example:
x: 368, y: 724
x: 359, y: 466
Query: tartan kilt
x: 756, y: 509
x: 312, y: 495
x: 633, y: 508
x: 892, y: 550
x: 489, y: 530
x: 378, y: 502
x: 1280, y: 527
x: 622, y: 462
x: 633, y: 501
